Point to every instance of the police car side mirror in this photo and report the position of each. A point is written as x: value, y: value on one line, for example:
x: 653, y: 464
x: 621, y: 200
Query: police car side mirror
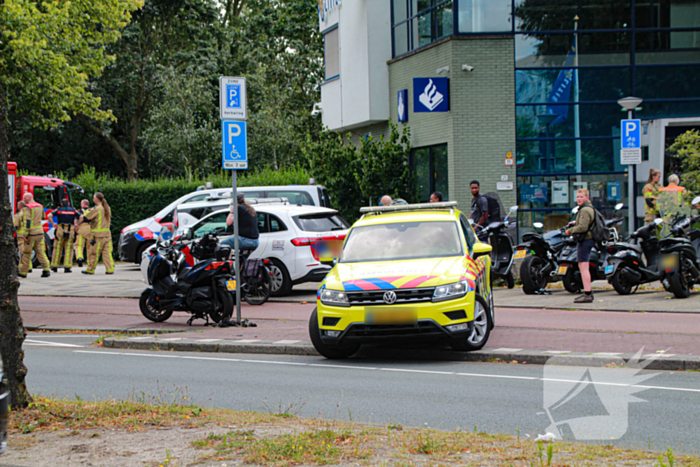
x: 189, y: 235
x: 481, y: 249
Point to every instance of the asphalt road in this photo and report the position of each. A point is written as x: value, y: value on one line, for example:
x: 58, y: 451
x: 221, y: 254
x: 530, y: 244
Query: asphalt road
x: 495, y: 398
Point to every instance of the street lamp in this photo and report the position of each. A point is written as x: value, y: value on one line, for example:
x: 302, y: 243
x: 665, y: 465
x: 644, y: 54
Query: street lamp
x: 630, y: 104
x: 547, y: 119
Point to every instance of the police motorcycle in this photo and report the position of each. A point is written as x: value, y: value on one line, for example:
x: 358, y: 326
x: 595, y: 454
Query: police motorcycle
x: 503, y: 248
x: 634, y: 262
x: 203, y: 290
x: 568, y: 257
x: 541, y: 263
x: 679, y: 261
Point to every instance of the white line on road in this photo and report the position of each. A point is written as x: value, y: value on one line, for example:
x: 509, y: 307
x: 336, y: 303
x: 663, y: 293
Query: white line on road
x: 52, y: 344
x: 369, y: 368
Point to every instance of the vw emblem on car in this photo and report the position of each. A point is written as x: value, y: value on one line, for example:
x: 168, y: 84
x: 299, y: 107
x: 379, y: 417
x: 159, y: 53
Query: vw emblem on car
x: 389, y: 297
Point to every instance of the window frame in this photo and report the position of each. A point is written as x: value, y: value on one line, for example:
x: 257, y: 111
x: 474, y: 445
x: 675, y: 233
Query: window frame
x: 327, y: 78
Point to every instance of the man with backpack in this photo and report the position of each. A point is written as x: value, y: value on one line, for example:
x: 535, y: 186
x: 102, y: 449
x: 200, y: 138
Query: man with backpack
x: 582, y: 232
x: 485, y: 210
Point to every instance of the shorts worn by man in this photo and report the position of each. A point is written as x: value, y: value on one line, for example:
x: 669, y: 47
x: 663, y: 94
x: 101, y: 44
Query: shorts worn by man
x: 33, y: 215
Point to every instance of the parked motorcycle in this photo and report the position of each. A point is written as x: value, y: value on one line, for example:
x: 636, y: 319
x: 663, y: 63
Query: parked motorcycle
x: 203, y: 290
x: 568, y: 258
x: 540, y: 263
x: 679, y: 264
x: 502, y: 253
x: 634, y: 262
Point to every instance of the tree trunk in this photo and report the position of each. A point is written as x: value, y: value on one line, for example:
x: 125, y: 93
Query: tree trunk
x: 11, y: 327
x: 130, y: 159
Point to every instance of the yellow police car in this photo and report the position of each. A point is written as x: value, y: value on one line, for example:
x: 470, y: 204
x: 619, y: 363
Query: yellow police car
x: 406, y: 273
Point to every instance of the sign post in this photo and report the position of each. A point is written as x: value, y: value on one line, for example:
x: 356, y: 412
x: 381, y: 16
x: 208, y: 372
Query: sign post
x: 631, y: 155
x: 234, y: 153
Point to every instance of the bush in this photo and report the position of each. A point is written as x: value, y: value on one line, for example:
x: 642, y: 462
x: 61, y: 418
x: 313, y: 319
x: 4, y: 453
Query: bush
x: 134, y: 201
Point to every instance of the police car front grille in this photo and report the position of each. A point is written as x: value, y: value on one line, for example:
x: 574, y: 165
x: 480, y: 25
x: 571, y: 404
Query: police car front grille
x: 403, y: 296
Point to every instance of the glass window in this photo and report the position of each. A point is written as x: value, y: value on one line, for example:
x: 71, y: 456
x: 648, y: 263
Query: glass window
x: 215, y: 223
x: 668, y: 82
x: 400, y: 9
x: 595, y: 49
x: 667, y: 14
x: 595, y: 84
x: 331, y: 53
x: 321, y: 222
x: 484, y: 16
x: 429, y: 166
x: 558, y: 15
x: 664, y: 47
x: 469, y: 234
x: 402, y: 240
x: 276, y: 225
x: 294, y: 197
x: 262, y: 223
x: 594, y: 120
x: 421, y: 169
x: 444, y: 20
x: 202, y: 197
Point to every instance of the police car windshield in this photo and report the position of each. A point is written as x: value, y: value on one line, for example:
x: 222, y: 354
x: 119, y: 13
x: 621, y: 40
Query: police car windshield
x: 404, y: 240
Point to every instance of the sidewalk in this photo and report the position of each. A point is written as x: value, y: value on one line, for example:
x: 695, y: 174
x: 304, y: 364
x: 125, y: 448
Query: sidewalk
x: 521, y: 334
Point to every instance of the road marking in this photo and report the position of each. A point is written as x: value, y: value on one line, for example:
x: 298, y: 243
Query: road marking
x: 506, y: 350
x: 208, y: 340
x: 245, y: 341
x: 557, y: 352
x: 285, y: 342
x: 370, y: 368
x: 51, y: 344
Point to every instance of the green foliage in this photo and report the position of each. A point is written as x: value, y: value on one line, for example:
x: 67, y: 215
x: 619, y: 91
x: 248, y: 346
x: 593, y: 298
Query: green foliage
x: 356, y: 177
x: 134, y: 201
x: 687, y: 148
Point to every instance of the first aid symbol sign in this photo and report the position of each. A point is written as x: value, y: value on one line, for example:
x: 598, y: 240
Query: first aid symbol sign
x: 234, y: 144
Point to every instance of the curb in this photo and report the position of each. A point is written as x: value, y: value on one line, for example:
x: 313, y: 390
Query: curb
x: 98, y: 329
x: 529, y: 357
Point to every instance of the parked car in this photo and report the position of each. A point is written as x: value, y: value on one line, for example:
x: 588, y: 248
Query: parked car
x: 407, y: 273
x: 288, y: 237
x: 138, y: 237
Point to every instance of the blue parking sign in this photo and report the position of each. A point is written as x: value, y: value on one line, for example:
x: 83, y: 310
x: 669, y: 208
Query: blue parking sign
x: 631, y: 134
x: 233, y: 96
x: 234, y: 144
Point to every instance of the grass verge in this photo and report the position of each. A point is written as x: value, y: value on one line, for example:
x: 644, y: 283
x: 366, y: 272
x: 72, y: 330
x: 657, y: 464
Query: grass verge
x: 278, y: 439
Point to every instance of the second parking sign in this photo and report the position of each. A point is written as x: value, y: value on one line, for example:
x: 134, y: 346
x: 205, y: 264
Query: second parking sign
x: 234, y: 144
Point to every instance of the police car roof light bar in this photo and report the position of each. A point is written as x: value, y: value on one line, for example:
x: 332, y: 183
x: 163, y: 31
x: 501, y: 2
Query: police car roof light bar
x: 409, y: 207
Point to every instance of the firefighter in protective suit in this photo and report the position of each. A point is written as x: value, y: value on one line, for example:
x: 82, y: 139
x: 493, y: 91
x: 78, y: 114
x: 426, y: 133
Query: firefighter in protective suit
x: 83, y: 235
x: 100, y: 217
x: 66, y: 221
x: 33, y: 215
x: 21, y: 231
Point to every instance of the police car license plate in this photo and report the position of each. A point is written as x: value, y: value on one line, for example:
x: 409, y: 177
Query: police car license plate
x: 562, y: 270
x: 609, y: 269
x: 520, y: 254
x: 391, y: 315
x: 231, y: 285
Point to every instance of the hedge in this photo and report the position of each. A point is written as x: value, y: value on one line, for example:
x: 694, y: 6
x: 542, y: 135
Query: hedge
x: 134, y: 201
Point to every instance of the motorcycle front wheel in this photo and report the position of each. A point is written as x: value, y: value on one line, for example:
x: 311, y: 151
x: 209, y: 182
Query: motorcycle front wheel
x: 157, y: 316
x: 224, y: 305
x: 261, y: 292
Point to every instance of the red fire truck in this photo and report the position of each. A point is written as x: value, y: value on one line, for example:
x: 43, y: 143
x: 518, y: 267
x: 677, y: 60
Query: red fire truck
x: 48, y: 191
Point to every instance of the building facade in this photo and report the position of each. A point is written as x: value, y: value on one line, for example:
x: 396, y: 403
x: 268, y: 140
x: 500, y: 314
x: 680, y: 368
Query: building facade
x: 520, y: 95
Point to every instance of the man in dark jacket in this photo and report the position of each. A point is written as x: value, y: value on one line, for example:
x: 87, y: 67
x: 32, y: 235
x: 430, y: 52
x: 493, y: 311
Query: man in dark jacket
x: 583, y: 226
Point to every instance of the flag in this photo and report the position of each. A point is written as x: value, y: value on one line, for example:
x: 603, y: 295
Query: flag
x: 562, y: 90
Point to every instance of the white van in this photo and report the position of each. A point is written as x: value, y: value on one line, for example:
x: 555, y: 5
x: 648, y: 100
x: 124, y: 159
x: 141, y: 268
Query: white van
x: 135, y: 238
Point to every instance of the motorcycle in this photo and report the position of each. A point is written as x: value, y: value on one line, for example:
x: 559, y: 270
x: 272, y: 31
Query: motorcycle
x: 540, y: 266
x: 678, y: 263
x: 502, y: 253
x: 634, y: 262
x: 203, y: 290
x: 568, y: 257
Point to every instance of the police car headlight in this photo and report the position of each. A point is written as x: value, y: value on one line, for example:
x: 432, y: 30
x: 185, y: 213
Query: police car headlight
x: 450, y: 291
x: 334, y: 297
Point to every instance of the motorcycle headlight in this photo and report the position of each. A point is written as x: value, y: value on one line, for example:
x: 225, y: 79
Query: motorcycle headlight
x: 450, y: 291
x: 334, y: 297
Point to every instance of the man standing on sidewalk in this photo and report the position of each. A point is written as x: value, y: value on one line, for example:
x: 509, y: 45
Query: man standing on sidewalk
x: 582, y: 230
x: 33, y: 214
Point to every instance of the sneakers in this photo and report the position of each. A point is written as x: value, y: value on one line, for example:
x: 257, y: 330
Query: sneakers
x: 584, y: 299
x: 46, y: 274
x: 85, y: 272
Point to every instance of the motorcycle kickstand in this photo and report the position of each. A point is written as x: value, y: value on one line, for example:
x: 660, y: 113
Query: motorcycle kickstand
x: 543, y: 292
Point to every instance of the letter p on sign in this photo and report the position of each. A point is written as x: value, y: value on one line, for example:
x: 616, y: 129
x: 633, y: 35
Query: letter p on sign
x: 234, y: 130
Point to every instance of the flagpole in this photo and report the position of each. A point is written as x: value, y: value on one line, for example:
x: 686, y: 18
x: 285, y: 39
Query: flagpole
x: 577, y: 129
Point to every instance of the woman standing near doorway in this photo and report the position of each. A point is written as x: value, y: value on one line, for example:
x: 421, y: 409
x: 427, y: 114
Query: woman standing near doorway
x: 651, y: 192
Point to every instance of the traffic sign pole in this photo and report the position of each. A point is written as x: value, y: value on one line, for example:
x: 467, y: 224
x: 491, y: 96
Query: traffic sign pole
x: 631, y: 154
x: 234, y: 154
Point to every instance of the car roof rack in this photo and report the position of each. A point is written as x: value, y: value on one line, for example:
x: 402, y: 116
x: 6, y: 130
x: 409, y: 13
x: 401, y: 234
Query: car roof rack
x: 408, y: 207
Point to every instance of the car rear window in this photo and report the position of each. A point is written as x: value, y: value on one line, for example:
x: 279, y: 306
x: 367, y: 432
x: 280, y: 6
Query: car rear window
x: 321, y: 222
x: 294, y: 197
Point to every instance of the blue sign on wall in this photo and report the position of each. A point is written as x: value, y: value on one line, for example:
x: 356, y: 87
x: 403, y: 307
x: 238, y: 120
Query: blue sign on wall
x: 234, y: 144
x: 233, y: 96
x: 533, y: 192
x: 402, y: 105
x: 431, y: 95
x: 614, y: 191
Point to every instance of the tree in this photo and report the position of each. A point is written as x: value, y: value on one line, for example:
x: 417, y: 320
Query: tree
x: 49, y: 52
x: 687, y: 149
x: 164, y: 35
